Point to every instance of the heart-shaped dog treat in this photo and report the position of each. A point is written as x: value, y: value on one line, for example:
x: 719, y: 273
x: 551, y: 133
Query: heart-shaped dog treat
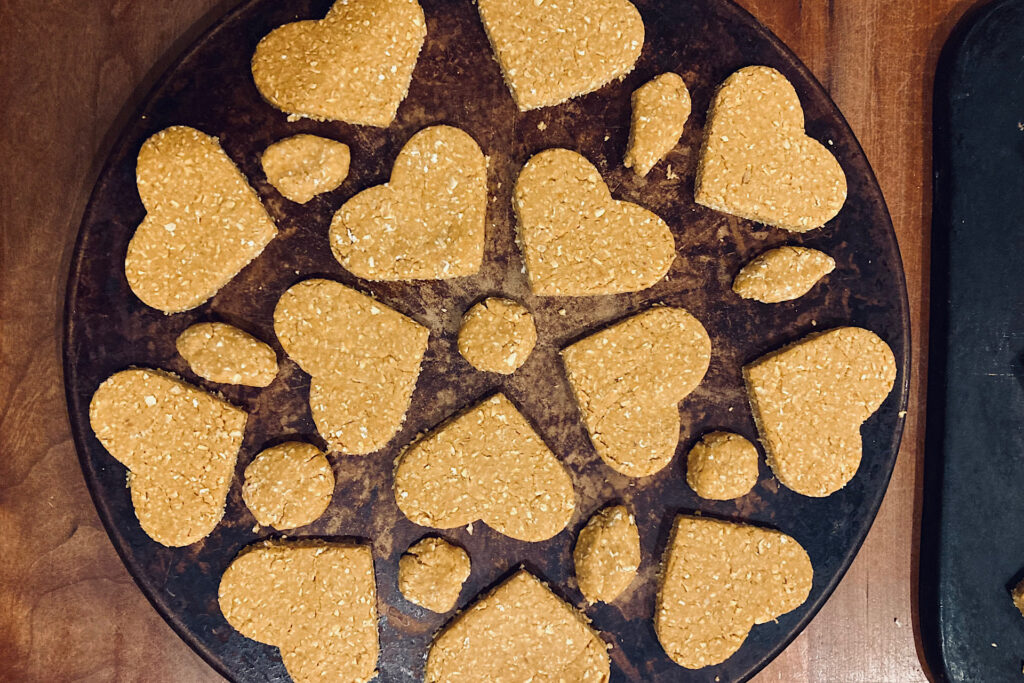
x: 203, y: 222
x: 576, y: 239
x: 720, y: 579
x: 363, y: 359
x: 552, y: 51
x: 520, y: 632
x: 227, y: 355
x: 660, y: 110
x: 628, y: 381
x: 809, y: 401
x: 427, y: 223
x: 303, y: 166
x: 782, y: 274
x: 179, y: 444
x: 607, y: 554
x: 487, y: 464
x: 353, y: 65
x: 315, y: 601
x: 758, y: 163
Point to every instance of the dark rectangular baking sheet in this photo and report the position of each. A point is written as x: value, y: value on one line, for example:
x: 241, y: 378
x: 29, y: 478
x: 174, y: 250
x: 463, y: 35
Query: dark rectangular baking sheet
x: 973, y: 531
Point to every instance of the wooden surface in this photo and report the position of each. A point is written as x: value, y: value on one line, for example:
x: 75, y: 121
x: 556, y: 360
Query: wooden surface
x: 69, y: 610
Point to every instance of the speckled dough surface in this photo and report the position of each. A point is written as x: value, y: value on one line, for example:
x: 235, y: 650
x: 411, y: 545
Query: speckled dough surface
x: 363, y: 359
x: 225, y: 354
x: 809, y: 401
x: 628, y: 381
x: 203, y: 223
x: 353, y: 65
x: 722, y: 466
x: 518, y: 633
x: 179, y: 444
x: 488, y: 464
x: 553, y: 50
x: 782, y: 274
x: 315, y: 601
x: 431, y: 574
x: 288, y: 486
x: 660, y: 110
x: 577, y: 240
x: 303, y: 166
x: 607, y: 554
x: 719, y: 579
x: 757, y: 162
x: 497, y: 335
x: 427, y: 222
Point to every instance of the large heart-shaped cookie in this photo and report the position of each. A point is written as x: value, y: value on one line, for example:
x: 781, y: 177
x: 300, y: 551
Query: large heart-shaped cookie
x: 487, y: 464
x: 553, y: 50
x: 757, y: 161
x: 718, y: 580
x: 628, y: 381
x: 362, y: 356
x: 179, y: 444
x: 315, y: 601
x: 203, y: 224
x: 809, y: 401
x: 576, y: 239
x: 353, y: 65
x: 427, y: 223
x: 520, y: 632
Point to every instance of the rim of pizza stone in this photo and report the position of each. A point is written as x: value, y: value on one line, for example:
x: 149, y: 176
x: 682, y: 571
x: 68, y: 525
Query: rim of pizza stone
x: 191, y: 40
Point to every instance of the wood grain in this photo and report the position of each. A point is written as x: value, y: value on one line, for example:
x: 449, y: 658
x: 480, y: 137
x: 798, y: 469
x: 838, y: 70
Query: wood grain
x: 69, y: 610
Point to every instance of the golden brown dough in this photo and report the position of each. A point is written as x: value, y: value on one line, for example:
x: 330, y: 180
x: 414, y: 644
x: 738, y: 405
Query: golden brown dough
x: 303, y: 166
x: 660, y: 110
x: 431, y: 574
x: 497, y: 335
x: 722, y: 466
x: 288, y: 486
x: 227, y: 355
x: 782, y: 274
x: 607, y: 554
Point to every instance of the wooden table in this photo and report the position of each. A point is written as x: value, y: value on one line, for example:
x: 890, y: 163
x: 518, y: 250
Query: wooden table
x: 68, y: 608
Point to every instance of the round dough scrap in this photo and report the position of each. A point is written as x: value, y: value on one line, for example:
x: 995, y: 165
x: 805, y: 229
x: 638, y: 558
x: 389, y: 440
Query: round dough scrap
x: 314, y: 600
x: 354, y: 65
x: 203, y: 223
x: 179, y: 444
x: 520, y: 632
x: 431, y: 574
x: 303, y: 166
x: 289, y: 485
x: 497, y: 335
x: 227, y: 355
x: 758, y: 163
x: 660, y: 110
x: 607, y: 554
x: 782, y: 274
x: 722, y: 466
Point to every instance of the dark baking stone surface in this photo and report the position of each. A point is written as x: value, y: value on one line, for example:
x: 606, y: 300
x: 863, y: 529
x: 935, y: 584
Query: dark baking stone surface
x: 973, y: 545
x: 456, y: 81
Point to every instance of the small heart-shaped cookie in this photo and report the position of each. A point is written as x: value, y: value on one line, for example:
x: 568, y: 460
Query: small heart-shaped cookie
x: 179, y: 444
x: 810, y: 400
x: 487, y: 464
x: 719, y: 579
x: 576, y: 239
x: 203, y: 222
x: 315, y: 601
x: 757, y: 161
x: 782, y: 274
x: 520, y: 632
x: 553, y: 50
x: 628, y: 381
x: 363, y: 359
x: 353, y: 65
x: 427, y: 223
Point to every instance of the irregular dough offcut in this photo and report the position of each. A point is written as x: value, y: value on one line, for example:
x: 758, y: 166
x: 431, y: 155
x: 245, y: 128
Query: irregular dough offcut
x: 288, y: 486
x: 782, y: 274
x: 607, y: 554
x: 227, y: 355
x: 497, y: 335
x: 303, y: 166
x: 660, y: 110
x: 431, y: 574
